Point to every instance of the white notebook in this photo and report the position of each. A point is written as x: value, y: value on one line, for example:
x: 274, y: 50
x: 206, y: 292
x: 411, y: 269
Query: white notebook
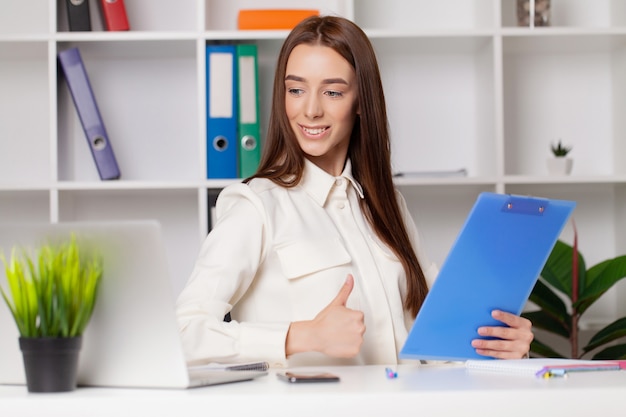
x: 534, y: 366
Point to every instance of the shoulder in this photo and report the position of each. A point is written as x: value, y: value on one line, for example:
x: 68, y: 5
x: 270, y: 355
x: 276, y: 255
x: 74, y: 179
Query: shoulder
x: 402, y: 205
x: 256, y: 188
x: 399, y: 196
x: 255, y: 194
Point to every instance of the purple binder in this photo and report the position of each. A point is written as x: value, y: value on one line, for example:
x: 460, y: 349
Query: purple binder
x: 87, y: 109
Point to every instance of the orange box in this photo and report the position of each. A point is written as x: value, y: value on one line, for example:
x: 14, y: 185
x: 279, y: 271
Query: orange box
x: 272, y: 19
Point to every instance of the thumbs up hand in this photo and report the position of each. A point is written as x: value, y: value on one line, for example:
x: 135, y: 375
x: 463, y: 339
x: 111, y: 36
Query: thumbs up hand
x: 336, y: 331
x: 344, y: 292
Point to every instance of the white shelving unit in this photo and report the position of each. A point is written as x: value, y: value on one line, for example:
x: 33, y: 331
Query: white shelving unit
x: 465, y: 88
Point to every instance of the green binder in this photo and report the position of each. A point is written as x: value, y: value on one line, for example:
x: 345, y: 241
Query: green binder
x: 249, y: 131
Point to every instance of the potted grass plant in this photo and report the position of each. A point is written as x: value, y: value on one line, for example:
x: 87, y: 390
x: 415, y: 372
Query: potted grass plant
x: 51, y: 294
x: 564, y: 292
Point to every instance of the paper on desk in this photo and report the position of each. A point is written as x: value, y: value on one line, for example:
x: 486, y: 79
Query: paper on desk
x: 543, y: 366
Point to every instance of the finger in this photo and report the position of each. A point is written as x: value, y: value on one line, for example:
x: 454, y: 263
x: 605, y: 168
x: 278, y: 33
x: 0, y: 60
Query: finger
x: 522, y: 335
x: 500, y: 349
x: 497, y: 354
x: 511, y: 320
x: 344, y: 292
x: 506, y: 333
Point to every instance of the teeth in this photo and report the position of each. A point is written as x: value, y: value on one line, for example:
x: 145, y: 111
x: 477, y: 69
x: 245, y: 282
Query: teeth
x: 316, y: 131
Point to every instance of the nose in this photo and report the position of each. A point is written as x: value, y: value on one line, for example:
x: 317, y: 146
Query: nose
x: 313, y: 108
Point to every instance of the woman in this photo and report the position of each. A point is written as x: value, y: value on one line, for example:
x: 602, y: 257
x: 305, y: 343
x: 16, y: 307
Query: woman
x: 316, y: 256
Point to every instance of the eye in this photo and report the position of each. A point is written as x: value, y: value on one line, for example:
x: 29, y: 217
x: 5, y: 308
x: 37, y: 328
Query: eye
x: 295, y: 91
x: 334, y: 94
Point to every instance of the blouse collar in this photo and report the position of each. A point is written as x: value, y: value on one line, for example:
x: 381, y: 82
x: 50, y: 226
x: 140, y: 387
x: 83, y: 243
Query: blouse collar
x: 318, y: 183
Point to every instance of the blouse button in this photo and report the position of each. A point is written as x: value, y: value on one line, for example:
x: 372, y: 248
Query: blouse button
x: 342, y: 206
x: 339, y: 182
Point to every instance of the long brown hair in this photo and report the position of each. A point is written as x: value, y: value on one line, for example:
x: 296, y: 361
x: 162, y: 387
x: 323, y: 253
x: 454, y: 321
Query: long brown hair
x: 369, y: 149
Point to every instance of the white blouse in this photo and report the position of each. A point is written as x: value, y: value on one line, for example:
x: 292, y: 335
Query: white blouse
x: 278, y: 255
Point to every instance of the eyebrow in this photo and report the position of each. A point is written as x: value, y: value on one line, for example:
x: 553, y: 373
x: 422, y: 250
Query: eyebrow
x: 326, y: 81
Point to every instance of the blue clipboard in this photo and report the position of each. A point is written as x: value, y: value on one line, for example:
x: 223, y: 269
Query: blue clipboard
x: 493, y: 264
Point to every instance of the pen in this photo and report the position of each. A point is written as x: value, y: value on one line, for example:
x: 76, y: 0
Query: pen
x: 551, y: 373
x: 391, y: 374
x: 562, y: 370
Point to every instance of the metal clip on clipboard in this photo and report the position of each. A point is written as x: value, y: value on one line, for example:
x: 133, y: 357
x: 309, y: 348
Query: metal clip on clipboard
x: 526, y: 205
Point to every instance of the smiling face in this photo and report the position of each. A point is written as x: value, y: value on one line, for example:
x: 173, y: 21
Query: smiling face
x: 321, y: 104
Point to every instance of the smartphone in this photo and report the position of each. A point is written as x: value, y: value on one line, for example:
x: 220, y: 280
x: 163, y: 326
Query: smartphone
x: 296, y: 377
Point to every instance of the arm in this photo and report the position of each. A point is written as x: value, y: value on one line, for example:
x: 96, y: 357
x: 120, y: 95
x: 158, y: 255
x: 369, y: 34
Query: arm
x: 224, y: 270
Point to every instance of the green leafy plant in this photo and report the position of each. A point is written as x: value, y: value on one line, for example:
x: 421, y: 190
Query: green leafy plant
x: 559, y: 150
x: 565, y: 290
x: 53, y: 292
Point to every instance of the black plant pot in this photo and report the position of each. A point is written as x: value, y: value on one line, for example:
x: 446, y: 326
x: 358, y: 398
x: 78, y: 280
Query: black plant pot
x: 51, y: 364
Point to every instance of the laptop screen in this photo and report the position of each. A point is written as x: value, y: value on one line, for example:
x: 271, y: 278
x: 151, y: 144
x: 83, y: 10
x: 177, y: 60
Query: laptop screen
x: 132, y: 338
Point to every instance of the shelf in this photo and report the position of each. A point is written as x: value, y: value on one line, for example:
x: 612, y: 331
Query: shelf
x: 465, y: 87
x: 127, y: 185
x: 571, y: 179
x: 24, y: 18
x: 222, y: 15
x: 425, y: 14
x: 574, y: 13
x: 245, y: 35
x: 175, y: 209
x: 24, y: 103
x: 23, y: 38
x: 415, y: 74
x: 23, y: 206
x: 560, y: 96
x: 124, y: 36
x: 561, y: 31
x: 144, y: 15
x: 147, y: 93
x: 444, y: 181
x: 564, y: 42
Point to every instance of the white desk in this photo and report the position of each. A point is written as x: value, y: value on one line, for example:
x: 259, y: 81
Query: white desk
x: 444, y: 390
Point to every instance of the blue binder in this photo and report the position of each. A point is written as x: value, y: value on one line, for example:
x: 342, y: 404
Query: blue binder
x: 221, y: 94
x: 90, y: 118
x: 494, y: 264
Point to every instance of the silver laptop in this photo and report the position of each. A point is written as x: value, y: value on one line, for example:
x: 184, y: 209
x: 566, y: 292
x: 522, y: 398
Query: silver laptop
x: 132, y: 339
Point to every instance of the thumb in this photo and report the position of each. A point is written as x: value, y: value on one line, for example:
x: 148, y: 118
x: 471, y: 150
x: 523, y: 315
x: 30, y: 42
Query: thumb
x: 344, y: 292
